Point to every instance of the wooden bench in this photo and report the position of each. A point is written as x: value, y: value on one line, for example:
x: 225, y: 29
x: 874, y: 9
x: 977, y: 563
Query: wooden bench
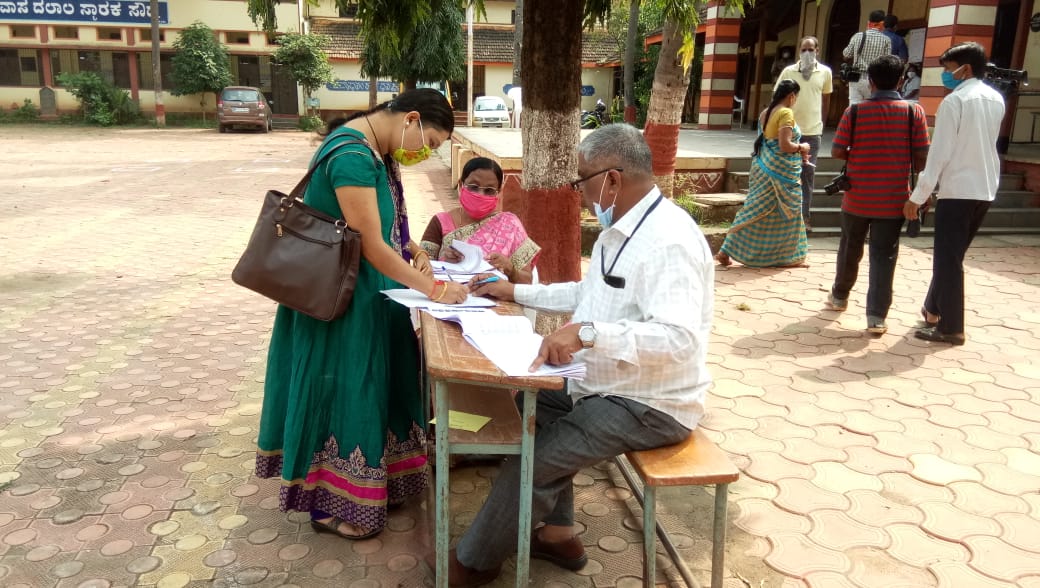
x: 694, y: 462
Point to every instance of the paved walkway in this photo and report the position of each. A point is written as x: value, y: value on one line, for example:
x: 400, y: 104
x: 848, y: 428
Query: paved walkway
x: 131, y: 376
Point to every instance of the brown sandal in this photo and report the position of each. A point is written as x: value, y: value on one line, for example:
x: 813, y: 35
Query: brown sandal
x: 333, y: 527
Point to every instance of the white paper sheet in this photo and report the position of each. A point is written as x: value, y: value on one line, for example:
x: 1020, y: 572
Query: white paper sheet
x: 413, y: 299
x: 508, y: 341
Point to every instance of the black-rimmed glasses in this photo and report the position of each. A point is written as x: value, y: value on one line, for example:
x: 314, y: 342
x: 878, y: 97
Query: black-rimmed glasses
x: 485, y: 190
x: 576, y: 184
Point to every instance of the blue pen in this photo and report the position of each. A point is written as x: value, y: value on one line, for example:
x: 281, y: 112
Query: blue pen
x: 486, y: 281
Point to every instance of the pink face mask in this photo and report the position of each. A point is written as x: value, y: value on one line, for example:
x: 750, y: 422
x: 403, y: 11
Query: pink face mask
x: 477, y: 206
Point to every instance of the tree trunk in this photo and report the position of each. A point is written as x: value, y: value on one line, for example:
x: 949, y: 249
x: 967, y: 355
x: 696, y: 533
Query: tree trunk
x: 410, y: 84
x: 549, y: 208
x: 518, y: 37
x: 630, y: 61
x: 666, y: 100
x: 160, y: 108
x: 202, y: 105
x: 373, y: 92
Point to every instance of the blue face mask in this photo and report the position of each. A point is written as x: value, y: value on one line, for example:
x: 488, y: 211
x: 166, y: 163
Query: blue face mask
x: 605, y: 217
x: 949, y: 81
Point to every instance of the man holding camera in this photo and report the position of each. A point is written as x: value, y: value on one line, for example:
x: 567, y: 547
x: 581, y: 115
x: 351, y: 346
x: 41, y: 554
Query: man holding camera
x: 863, y: 48
x: 814, y: 99
x: 879, y: 138
x: 966, y: 167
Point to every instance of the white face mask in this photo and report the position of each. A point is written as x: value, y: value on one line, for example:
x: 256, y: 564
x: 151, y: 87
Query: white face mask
x: 910, y: 75
x: 808, y: 59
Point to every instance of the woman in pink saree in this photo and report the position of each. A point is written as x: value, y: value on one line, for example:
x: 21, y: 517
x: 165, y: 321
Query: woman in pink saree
x: 499, y: 234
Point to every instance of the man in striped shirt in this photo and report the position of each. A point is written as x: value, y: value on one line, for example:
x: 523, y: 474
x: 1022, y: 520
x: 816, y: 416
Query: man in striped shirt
x: 879, y: 138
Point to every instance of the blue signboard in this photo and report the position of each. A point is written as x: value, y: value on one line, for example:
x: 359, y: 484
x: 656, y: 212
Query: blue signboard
x: 106, y: 11
x: 361, y: 86
x: 588, y: 90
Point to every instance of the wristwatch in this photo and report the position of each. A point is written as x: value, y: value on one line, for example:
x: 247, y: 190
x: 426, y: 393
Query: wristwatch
x: 587, y: 335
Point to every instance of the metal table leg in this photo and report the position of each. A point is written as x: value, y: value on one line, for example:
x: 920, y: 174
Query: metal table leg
x: 442, y: 536
x: 718, y: 539
x: 649, y: 536
x: 523, y: 546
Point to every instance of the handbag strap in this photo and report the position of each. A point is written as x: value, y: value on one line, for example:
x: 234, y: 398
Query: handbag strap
x: 297, y: 192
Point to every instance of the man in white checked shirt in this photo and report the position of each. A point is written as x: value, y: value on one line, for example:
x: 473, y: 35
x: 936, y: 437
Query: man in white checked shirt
x: 641, y: 320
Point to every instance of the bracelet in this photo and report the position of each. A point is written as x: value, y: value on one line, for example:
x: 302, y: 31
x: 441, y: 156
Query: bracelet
x: 433, y: 291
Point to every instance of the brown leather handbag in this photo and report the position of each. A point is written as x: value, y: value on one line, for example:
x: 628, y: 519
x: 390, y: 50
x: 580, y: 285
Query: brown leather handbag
x: 301, y: 257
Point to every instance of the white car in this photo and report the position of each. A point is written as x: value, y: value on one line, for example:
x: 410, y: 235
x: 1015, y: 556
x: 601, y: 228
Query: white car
x: 490, y: 111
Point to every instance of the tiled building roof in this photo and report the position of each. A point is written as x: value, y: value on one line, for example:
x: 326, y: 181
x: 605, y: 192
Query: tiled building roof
x: 490, y: 44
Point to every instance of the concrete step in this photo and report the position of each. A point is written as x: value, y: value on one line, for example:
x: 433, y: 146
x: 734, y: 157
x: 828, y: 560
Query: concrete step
x: 1005, y: 220
x: 1005, y: 199
x: 285, y: 122
x: 737, y: 181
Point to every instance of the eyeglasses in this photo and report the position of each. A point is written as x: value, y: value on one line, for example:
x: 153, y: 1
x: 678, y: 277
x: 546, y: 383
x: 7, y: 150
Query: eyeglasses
x: 485, y: 190
x: 576, y: 184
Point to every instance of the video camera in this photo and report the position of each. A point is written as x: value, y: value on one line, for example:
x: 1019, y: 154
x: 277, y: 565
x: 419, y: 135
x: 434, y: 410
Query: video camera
x: 1005, y: 81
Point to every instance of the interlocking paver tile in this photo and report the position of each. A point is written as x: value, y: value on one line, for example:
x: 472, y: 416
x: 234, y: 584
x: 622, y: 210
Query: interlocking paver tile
x: 902, y: 445
x: 947, y: 522
x: 760, y: 517
x: 841, y: 438
x: 1020, y: 530
x: 1008, y: 480
x: 966, y: 453
x: 949, y: 416
x: 801, y: 496
x: 808, y: 451
x: 834, y: 529
x: 995, y: 558
x: 990, y: 438
x: 908, y: 490
x: 975, y: 498
x: 912, y: 545
x: 766, y: 466
x: 795, y: 555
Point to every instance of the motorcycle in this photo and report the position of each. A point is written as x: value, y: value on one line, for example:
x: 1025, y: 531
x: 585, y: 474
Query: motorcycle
x: 595, y: 118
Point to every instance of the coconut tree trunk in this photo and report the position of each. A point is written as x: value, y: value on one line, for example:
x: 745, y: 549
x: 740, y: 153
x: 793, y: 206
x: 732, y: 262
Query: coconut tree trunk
x: 549, y: 208
x: 373, y: 91
x: 671, y: 82
x: 630, y: 61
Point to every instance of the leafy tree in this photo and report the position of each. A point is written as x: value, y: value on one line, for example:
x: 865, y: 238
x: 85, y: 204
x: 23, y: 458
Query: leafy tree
x: 201, y: 63
x: 433, y: 53
x: 102, y: 103
x: 305, y: 60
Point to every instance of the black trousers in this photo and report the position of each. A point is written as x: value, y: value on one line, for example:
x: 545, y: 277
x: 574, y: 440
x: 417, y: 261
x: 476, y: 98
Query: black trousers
x: 956, y: 223
x: 884, y: 250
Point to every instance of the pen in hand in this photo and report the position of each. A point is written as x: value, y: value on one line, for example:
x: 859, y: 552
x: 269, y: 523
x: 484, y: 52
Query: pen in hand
x: 486, y: 281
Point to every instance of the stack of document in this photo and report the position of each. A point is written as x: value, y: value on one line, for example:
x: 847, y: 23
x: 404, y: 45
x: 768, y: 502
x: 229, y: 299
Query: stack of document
x: 472, y: 263
x: 415, y: 299
x: 508, y: 341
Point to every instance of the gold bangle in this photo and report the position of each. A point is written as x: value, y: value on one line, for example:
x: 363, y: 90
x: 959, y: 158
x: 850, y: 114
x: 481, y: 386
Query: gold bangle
x: 443, y: 292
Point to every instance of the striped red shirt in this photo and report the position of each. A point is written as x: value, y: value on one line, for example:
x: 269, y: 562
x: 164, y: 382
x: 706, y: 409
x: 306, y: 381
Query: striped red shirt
x: 879, y: 161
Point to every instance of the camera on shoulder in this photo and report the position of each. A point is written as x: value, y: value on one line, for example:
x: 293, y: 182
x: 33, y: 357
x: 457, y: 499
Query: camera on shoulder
x: 841, y: 183
x: 848, y: 73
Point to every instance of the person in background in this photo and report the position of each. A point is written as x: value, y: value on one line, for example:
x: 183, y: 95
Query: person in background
x: 911, y: 89
x: 477, y: 221
x: 641, y: 323
x: 887, y: 136
x: 342, y: 422
x: 814, y: 98
x: 863, y: 48
x: 769, y: 230
x: 899, y: 48
x: 965, y: 166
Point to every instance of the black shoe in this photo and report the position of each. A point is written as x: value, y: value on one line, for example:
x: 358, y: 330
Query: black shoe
x: 568, y: 554
x: 933, y: 334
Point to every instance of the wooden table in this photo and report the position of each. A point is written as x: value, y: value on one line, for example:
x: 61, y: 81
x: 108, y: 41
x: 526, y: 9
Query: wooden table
x: 449, y: 359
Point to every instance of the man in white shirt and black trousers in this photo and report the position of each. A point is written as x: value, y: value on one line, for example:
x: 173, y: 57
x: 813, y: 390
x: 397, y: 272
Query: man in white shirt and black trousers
x: 963, y: 161
x: 641, y: 320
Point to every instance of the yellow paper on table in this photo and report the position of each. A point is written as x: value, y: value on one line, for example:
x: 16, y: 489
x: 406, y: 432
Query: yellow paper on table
x: 465, y: 421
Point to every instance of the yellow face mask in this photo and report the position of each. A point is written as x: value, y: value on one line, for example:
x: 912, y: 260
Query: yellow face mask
x: 412, y: 156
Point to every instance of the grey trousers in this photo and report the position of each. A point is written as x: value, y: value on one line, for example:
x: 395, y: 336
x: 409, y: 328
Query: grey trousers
x: 570, y: 437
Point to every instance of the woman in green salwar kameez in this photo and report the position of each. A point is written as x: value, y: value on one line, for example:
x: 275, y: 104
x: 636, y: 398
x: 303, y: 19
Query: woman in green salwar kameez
x: 342, y: 420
